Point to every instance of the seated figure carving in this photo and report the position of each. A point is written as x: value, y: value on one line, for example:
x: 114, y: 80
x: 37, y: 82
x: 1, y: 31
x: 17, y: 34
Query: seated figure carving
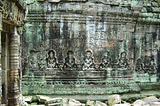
x: 123, y: 61
x: 31, y: 62
x: 33, y: 59
x: 88, y: 61
x: 51, y: 59
x: 105, y: 61
x: 69, y: 62
x: 139, y: 66
x: 42, y: 63
x: 152, y: 66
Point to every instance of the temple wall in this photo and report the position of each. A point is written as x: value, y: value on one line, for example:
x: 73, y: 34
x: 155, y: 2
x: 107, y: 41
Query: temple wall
x: 111, y: 47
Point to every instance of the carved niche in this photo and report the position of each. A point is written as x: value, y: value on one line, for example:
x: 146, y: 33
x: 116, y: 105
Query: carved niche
x: 88, y: 61
x: 123, y: 61
x: 33, y: 59
x: 69, y: 61
x: 106, y: 61
x: 139, y: 66
x: 152, y: 66
x: 51, y: 59
x: 42, y: 61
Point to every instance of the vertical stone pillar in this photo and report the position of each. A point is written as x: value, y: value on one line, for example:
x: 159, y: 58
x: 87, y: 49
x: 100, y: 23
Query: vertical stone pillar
x: 1, y: 4
x: 14, y: 72
x: 5, y: 66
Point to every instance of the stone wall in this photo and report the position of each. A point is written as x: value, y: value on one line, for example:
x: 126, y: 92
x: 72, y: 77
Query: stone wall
x: 90, y: 46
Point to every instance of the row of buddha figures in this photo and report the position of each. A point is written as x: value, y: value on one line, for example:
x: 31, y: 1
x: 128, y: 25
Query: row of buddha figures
x: 50, y: 62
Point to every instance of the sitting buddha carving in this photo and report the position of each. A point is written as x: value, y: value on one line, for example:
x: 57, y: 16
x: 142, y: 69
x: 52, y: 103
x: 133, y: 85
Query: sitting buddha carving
x: 139, y: 66
x: 123, y: 61
x: 69, y: 61
x: 88, y: 61
x: 51, y: 59
x: 152, y: 66
x: 42, y: 62
x: 105, y: 61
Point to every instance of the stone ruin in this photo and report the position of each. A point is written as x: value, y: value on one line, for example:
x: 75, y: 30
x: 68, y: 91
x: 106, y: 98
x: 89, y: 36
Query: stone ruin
x: 90, y: 47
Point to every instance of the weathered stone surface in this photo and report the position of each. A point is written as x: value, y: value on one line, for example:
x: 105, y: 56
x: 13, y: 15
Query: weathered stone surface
x: 98, y: 103
x: 90, y: 47
x: 73, y: 102
x: 43, y: 98
x: 122, y: 105
x: 54, y: 101
x: 151, y: 99
x: 65, y: 101
x: 90, y: 103
x: 144, y: 10
x: 28, y: 99
x: 155, y: 104
x: 154, y: 4
x: 140, y: 103
x: 114, y: 99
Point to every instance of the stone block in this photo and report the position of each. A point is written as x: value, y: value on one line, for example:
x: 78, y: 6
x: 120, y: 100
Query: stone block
x: 113, y: 99
x: 43, y: 98
x: 140, y: 103
x: 151, y: 99
x: 155, y: 104
x: 130, y: 27
x: 98, y: 103
x: 73, y: 102
x: 90, y: 103
x: 65, y: 101
x: 155, y: 9
x: 144, y: 10
x: 154, y: 4
x: 28, y: 99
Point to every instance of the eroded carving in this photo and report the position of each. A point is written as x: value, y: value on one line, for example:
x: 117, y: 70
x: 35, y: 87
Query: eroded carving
x: 152, y: 66
x: 88, y: 61
x: 70, y: 61
x: 42, y: 61
x: 106, y: 61
x: 123, y: 61
x: 33, y: 59
x: 139, y: 66
x: 51, y: 59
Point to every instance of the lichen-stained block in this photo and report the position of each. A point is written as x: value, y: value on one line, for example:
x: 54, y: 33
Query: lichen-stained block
x: 130, y: 27
x: 90, y: 9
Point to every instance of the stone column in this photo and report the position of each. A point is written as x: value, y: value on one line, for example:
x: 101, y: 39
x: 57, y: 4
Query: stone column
x: 5, y: 65
x: 1, y: 4
x: 14, y: 72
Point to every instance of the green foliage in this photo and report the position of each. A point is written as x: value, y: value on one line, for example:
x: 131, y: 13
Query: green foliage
x: 131, y: 100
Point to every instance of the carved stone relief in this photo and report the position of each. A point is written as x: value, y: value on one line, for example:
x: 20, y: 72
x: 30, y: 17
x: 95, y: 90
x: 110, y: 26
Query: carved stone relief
x: 70, y: 61
x: 12, y: 12
x: 91, y: 42
x: 42, y: 61
x: 139, y: 66
x: 106, y: 61
x: 88, y: 61
x: 123, y: 61
x: 51, y: 59
x: 32, y: 61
